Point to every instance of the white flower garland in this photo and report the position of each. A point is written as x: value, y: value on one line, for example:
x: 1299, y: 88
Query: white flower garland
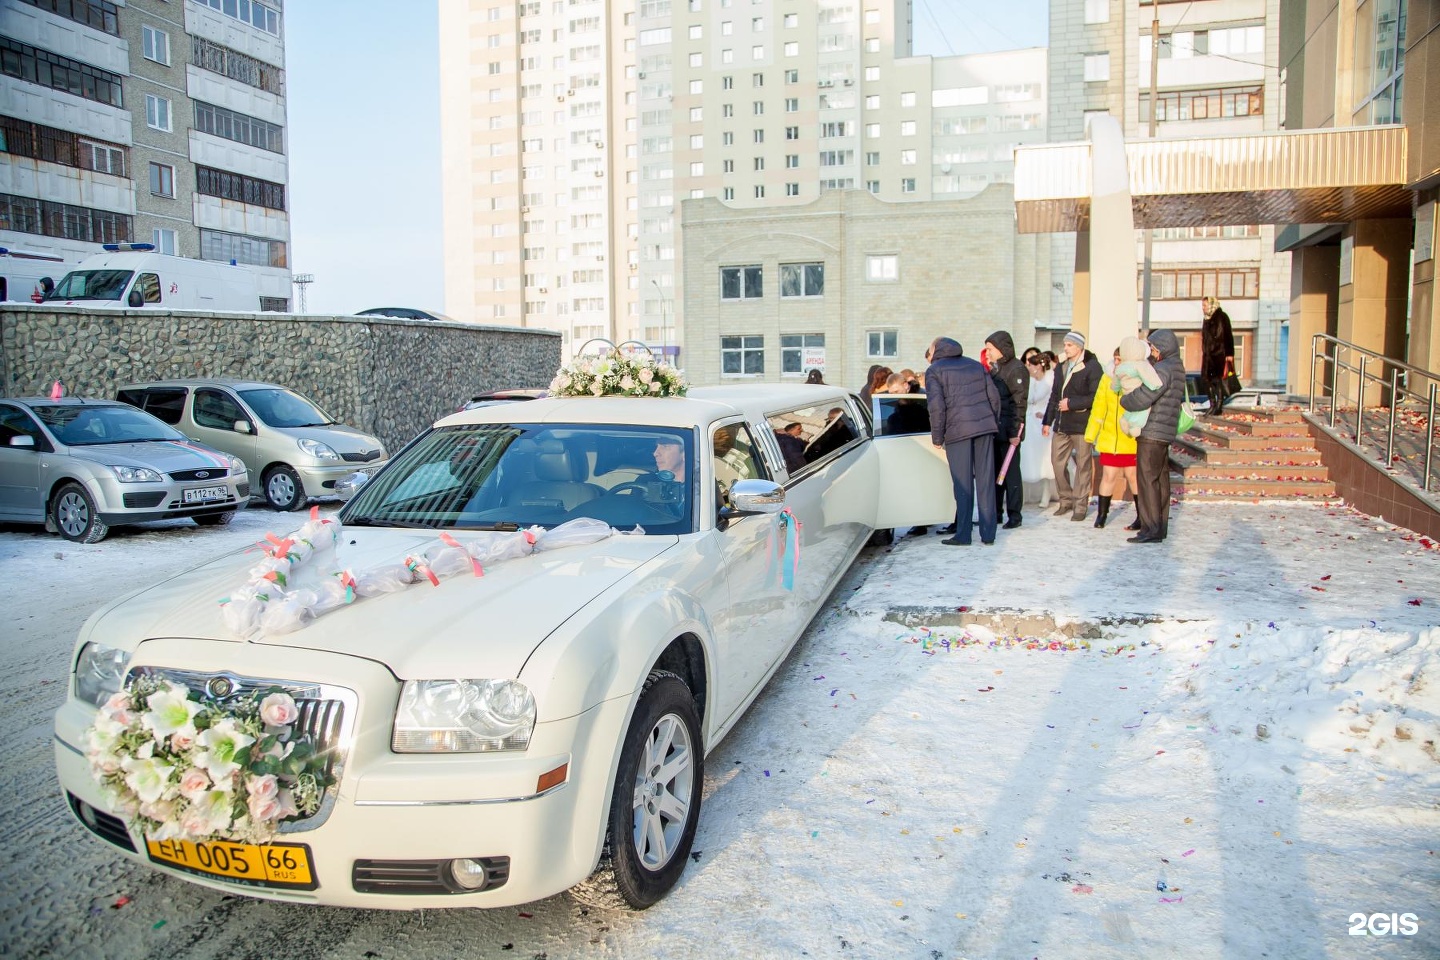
x: 618, y: 375
x: 273, y: 600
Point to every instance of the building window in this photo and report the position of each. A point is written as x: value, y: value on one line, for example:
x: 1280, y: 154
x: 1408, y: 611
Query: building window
x: 872, y: 74
x: 882, y: 268
x: 162, y: 180
x: 727, y: 109
x: 727, y: 138
x: 164, y: 241
x: 234, y: 247
x: 1205, y: 104
x: 741, y: 283
x: 757, y: 52
x: 157, y: 113
x: 697, y: 86
x: 155, y: 44
x: 872, y: 185
x: 791, y: 21
x: 872, y: 158
x: 96, y: 14
x: 792, y: 133
x: 255, y: 13
x: 907, y: 157
x: 727, y: 27
x: 792, y: 76
x: 50, y: 219
x: 907, y: 185
x: 759, y: 192
x: 793, y: 347
x: 697, y: 169
x: 1192, y: 283
x: 59, y: 73
x: 758, y: 107
x: 727, y: 83
x: 238, y: 127
x: 872, y: 131
x: 792, y: 160
x: 792, y: 49
x: 760, y: 136
x: 727, y: 166
x: 39, y: 142
x: 696, y: 31
x: 792, y: 104
x: 759, y: 163
x: 907, y: 128
x: 1097, y: 67
x: 802, y: 280
x: 792, y: 189
x: 1097, y: 11
x: 872, y: 102
x: 882, y: 343
x: 742, y: 356
x: 697, y: 114
x: 728, y: 193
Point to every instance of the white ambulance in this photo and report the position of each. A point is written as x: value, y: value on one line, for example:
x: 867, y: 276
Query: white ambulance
x: 133, y: 275
x: 23, y: 272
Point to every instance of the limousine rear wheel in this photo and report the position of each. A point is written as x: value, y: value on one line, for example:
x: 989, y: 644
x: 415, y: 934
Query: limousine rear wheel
x: 656, y: 803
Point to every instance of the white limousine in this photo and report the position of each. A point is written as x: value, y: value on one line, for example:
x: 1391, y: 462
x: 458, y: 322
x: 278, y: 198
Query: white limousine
x: 530, y: 628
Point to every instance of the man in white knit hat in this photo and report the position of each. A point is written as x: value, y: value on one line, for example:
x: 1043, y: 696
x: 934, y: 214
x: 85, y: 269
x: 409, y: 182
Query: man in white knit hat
x: 1076, y: 378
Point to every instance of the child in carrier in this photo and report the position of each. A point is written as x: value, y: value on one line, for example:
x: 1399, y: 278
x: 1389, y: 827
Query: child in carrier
x: 1133, y: 370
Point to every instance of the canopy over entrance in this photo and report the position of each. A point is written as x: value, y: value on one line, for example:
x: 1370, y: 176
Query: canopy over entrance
x: 1285, y: 177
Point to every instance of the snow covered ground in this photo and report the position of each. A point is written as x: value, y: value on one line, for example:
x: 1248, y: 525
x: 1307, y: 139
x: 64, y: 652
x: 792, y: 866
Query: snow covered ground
x: 982, y: 752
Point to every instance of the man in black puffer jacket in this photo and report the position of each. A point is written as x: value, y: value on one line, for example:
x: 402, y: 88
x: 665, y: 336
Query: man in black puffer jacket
x: 1152, y: 455
x: 964, y: 418
x: 1012, y: 373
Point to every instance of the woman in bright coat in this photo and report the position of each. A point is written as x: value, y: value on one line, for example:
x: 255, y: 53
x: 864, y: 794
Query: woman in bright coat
x: 1117, y: 451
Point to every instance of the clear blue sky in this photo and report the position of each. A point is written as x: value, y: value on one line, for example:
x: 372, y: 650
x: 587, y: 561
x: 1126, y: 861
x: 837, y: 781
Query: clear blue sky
x: 363, y: 86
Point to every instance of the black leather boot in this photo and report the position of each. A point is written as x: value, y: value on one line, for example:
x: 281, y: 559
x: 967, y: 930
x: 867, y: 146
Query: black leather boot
x: 1102, y: 512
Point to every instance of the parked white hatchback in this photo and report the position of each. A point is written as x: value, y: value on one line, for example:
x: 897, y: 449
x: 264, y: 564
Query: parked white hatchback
x: 615, y: 580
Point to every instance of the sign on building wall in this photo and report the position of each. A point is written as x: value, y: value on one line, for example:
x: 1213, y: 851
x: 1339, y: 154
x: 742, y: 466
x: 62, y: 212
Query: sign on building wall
x: 813, y: 358
x: 1425, y: 232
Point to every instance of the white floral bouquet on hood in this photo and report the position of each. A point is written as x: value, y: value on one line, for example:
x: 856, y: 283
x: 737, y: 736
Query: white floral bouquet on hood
x: 618, y: 374
x: 183, y: 768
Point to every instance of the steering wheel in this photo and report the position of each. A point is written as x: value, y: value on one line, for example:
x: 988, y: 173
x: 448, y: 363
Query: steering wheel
x: 625, y: 489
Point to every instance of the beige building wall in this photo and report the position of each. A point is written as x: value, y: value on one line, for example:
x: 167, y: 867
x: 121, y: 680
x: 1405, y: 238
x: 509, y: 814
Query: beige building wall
x: 896, y: 275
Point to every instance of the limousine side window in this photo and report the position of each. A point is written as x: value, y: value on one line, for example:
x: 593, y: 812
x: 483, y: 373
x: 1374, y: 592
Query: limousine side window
x: 808, y: 435
x: 735, y: 458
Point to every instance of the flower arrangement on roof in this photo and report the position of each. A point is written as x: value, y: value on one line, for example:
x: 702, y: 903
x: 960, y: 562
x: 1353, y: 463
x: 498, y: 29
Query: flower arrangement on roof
x: 617, y: 374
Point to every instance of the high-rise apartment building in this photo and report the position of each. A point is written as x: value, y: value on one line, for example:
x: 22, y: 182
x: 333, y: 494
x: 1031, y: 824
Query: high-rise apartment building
x: 1216, y: 75
x: 150, y: 121
x: 572, y: 133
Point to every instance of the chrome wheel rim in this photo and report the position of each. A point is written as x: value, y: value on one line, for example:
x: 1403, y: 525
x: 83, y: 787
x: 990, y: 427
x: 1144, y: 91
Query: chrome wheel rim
x: 664, y: 784
x: 281, y: 488
x: 72, y: 513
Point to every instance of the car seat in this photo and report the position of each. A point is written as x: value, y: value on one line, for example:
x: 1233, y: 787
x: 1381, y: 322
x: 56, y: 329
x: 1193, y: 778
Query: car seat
x: 555, y: 478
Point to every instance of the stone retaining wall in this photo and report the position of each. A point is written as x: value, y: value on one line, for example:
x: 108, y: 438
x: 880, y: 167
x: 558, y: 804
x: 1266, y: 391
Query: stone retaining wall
x: 390, y: 377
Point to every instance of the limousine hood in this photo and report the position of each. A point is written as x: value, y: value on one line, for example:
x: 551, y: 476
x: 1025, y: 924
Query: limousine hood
x: 478, y: 627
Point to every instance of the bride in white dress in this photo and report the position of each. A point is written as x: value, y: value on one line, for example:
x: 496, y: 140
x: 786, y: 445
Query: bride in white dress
x: 1035, y: 468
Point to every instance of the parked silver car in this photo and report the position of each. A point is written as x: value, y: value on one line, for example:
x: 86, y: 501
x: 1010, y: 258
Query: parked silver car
x: 296, y: 449
x: 83, y: 466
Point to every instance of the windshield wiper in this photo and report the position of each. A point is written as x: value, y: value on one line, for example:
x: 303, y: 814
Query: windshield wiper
x: 377, y: 522
x: 506, y: 526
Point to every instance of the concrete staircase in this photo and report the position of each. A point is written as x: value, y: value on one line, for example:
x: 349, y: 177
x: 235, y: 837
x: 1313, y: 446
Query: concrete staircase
x: 1249, y: 453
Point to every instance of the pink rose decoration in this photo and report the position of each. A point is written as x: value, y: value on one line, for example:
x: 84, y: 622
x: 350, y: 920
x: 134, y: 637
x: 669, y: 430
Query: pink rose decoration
x: 263, y: 809
x: 279, y: 710
x: 264, y: 788
x: 194, y: 783
x: 180, y: 742
x: 286, y: 800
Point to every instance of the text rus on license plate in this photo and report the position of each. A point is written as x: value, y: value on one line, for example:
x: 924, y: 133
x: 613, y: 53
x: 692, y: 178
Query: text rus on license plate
x: 269, y: 865
x: 204, y: 494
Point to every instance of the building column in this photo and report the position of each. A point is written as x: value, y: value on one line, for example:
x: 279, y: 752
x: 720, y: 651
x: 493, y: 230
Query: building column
x: 1373, y: 304
x: 1080, y: 285
x: 1314, y: 308
x: 1114, y: 310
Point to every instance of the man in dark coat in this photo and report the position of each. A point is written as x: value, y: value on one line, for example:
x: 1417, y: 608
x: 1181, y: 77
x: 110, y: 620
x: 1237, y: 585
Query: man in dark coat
x: 1152, y: 453
x: 1217, y: 346
x: 1010, y: 372
x: 964, y: 418
x: 1067, y: 416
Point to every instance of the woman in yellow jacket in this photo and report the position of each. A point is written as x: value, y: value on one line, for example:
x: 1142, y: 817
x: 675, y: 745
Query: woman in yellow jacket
x: 1117, y: 451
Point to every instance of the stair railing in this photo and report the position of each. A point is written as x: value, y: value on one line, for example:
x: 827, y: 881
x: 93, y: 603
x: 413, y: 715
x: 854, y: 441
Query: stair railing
x: 1332, y: 355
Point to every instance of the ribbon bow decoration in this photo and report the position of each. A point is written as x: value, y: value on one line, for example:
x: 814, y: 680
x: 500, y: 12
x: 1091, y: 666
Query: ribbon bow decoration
x: 787, y: 551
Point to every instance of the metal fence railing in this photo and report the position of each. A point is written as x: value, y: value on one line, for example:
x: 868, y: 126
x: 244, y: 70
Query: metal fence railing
x: 1391, y: 392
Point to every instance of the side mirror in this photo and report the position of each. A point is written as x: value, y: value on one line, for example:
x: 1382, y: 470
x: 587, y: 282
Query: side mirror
x: 136, y: 299
x: 242, y: 426
x: 347, y: 487
x: 756, y: 496
x: 23, y: 440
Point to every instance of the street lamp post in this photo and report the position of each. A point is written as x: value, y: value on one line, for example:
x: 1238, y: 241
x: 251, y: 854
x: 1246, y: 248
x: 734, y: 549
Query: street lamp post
x: 666, y: 311
x: 303, y: 280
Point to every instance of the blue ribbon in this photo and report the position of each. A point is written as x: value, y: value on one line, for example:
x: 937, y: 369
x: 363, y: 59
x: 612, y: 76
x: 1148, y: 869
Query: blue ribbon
x: 789, y: 548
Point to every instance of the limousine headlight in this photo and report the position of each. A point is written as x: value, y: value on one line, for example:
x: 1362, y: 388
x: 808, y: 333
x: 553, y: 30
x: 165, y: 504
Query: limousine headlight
x: 99, y: 672
x: 463, y: 716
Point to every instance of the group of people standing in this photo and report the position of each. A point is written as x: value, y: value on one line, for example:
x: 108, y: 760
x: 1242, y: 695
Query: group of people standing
x: 1052, y: 414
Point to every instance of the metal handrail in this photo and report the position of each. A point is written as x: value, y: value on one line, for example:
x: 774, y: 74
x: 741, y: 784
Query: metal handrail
x: 1353, y: 358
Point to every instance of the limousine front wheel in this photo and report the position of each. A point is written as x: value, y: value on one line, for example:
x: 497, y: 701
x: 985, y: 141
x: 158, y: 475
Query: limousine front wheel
x: 657, y: 792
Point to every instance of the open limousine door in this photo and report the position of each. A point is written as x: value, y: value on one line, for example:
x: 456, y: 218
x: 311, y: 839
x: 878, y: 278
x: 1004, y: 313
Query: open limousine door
x: 915, y: 486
